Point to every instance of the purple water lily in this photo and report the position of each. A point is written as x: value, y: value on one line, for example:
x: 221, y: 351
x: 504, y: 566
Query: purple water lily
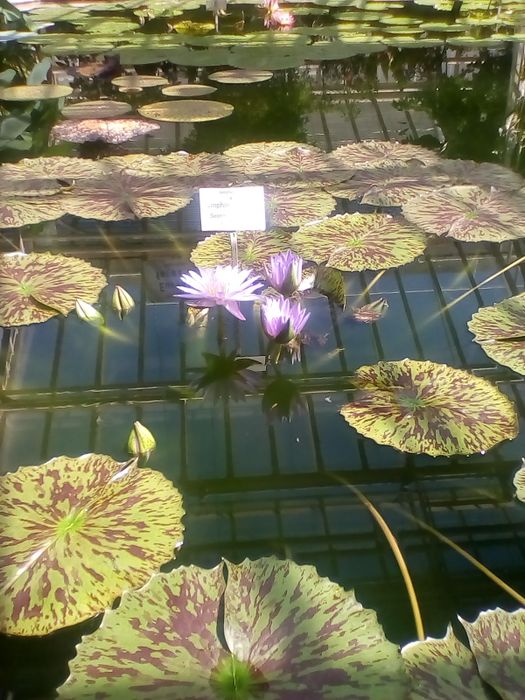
x: 282, y: 320
x: 223, y: 285
x: 284, y: 273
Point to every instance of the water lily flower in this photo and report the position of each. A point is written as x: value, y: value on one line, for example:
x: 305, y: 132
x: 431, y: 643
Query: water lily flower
x: 122, y: 302
x: 276, y: 18
x: 223, y: 285
x: 86, y: 312
x: 284, y: 273
x: 282, y: 320
x: 141, y: 441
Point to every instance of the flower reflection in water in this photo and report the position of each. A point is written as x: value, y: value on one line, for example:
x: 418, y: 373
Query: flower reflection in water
x: 282, y: 399
x: 227, y: 376
x: 223, y: 285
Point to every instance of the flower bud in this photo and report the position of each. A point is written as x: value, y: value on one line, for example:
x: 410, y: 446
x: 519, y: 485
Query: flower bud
x: 86, y: 312
x: 141, y: 441
x: 122, y: 301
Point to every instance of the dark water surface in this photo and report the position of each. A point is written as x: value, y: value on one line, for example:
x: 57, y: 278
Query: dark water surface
x: 254, y: 487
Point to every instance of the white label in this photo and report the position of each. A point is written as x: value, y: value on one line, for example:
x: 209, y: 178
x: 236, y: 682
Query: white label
x: 232, y: 208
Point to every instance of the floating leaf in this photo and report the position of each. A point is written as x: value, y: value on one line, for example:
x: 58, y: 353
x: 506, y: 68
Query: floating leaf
x: 110, y: 131
x: 331, y: 283
x: 429, y: 408
x: 30, y: 93
x: 254, y: 249
x: 38, y: 286
x: 76, y: 532
x: 139, y: 81
x: 469, y: 214
x: 468, y: 172
x: 55, y: 167
x: 141, y: 441
x: 374, y: 154
x: 288, y: 631
x: 96, y: 109
x: 500, y: 330
x: 193, y: 90
x: 359, y: 242
x: 16, y: 210
x: 277, y: 157
x: 296, y: 205
x: 186, y: 111
x: 126, y: 196
x: 241, y: 76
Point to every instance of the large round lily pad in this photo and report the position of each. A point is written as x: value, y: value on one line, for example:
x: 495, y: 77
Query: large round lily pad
x: 277, y: 157
x: 139, y: 81
x: 429, y: 408
x: 359, y: 242
x: 241, y: 76
x: 287, y: 634
x: 17, y: 210
x: 469, y: 213
x: 492, y: 666
x: 487, y: 175
x: 193, y: 90
x: 30, y: 93
x: 126, y: 196
x: 500, y: 330
x: 374, y: 154
x: 96, y: 109
x: 296, y: 205
x: 254, y: 249
x: 76, y: 533
x: 37, y: 286
x: 54, y: 167
x: 108, y: 130
x: 186, y: 111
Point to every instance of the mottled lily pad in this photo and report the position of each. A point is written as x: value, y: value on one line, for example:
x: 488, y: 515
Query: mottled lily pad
x: 445, y: 668
x: 54, y: 167
x: 96, y: 109
x: 38, y: 286
x: 287, y: 633
x: 30, y: 93
x: 374, y: 154
x: 109, y: 131
x: 389, y: 186
x: 254, y: 249
x: 296, y: 205
x: 469, y: 213
x: 429, y: 408
x: 76, y: 533
x: 278, y: 158
x: 500, y: 330
x: 186, y: 111
x: 17, y: 210
x: 193, y: 90
x: 126, y: 196
x: 468, y: 172
x: 139, y: 81
x: 359, y: 242
x: 241, y: 76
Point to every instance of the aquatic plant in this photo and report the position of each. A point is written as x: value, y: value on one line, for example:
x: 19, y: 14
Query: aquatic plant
x: 228, y: 377
x: 282, y: 319
x: 223, y: 285
x: 276, y: 17
x: 284, y: 272
x: 141, y: 441
x: 121, y: 301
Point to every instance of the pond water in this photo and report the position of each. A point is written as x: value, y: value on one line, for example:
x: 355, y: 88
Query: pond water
x: 258, y: 481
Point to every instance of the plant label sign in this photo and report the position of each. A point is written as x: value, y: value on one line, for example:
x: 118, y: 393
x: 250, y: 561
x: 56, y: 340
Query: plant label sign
x: 232, y: 208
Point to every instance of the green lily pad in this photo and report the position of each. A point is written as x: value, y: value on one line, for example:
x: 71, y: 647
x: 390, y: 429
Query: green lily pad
x: 264, y: 58
x: 254, y: 249
x: 500, y: 330
x: 241, y: 76
x: 139, y: 81
x: 469, y: 214
x: 429, y: 408
x: 96, y: 109
x: 359, y: 242
x: 186, y: 111
x: 37, y: 286
x: 30, y: 93
x: 193, y: 90
x: 76, y: 533
x: 163, y: 641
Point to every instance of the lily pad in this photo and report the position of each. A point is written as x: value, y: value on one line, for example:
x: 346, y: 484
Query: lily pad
x: 374, y: 154
x: 139, y: 81
x: 287, y: 632
x: 17, y: 210
x: 193, y: 90
x: 445, y: 668
x: 254, y: 249
x: 127, y: 196
x: 389, y: 186
x: 429, y: 408
x: 500, y: 330
x: 296, y: 205
x: 277, y: 158
x: 38, y: 286
x: 186, y: 111
x: 359, y: 242
x: 54, y: 167
x: 109, y: 131
x: 468, y: 172
x: 241, y: 76
x: 30, y: 93
x: 96, y: 109
x: 469, y: 214
x: 76, y: 533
